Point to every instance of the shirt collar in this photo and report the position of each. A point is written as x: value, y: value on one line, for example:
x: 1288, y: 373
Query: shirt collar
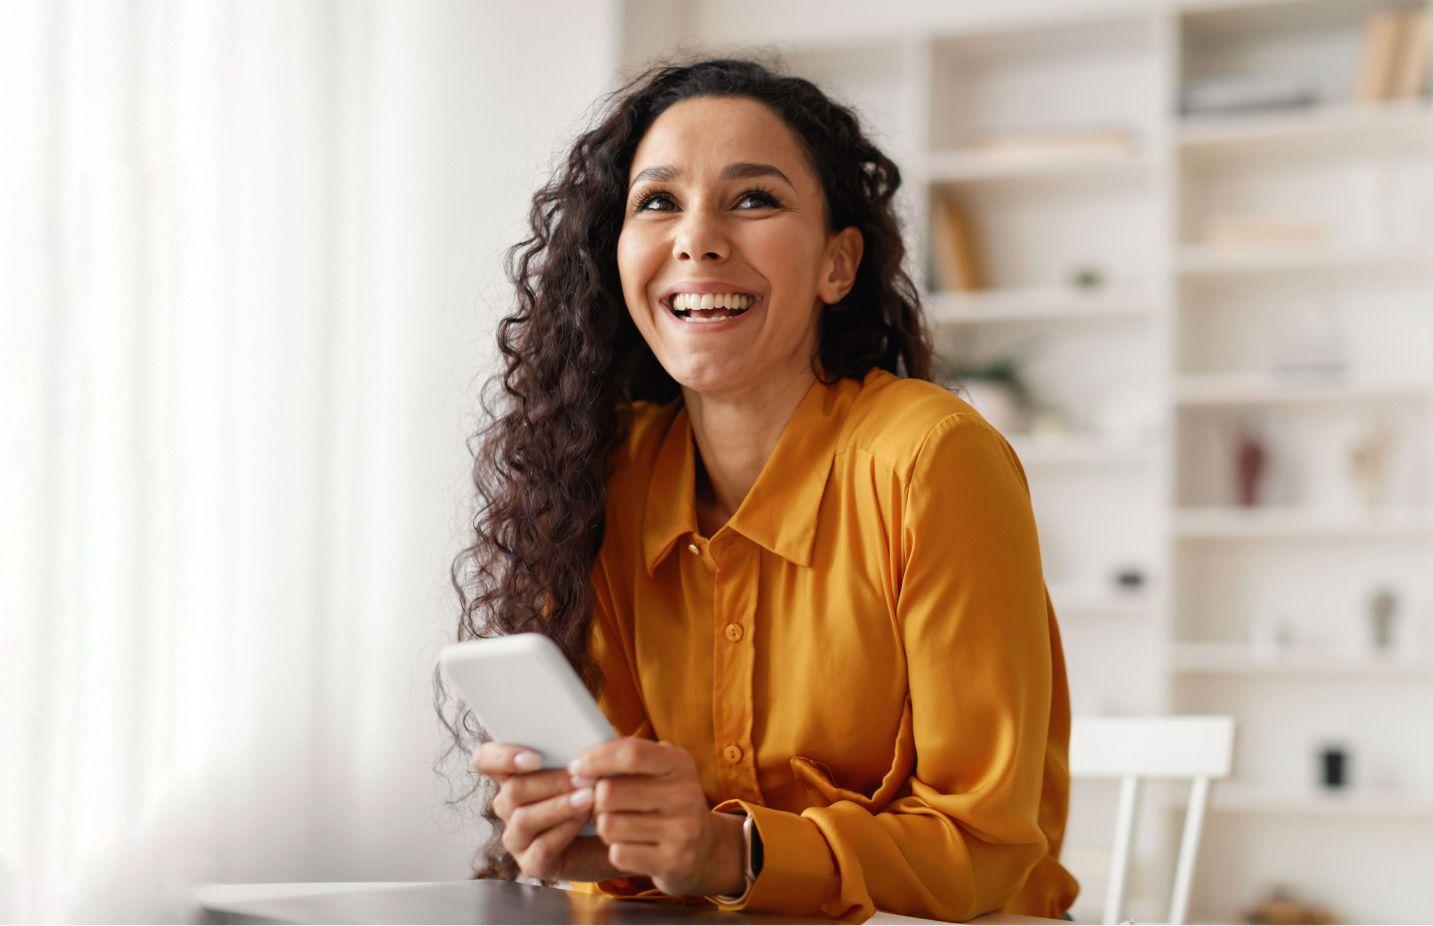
x: 780, y: 511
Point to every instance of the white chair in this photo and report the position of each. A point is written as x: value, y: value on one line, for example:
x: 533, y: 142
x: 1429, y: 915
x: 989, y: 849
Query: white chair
x: 1199, y: 748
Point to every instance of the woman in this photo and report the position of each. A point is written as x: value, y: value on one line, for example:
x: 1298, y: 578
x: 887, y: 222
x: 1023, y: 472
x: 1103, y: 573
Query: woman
x: 803, y: 580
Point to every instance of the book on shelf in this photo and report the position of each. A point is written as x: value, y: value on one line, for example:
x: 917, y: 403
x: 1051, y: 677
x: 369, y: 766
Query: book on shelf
x: 1410, y: 78
x: 952, y: 255
x: 1394, y: 59
x: 1380, y: 49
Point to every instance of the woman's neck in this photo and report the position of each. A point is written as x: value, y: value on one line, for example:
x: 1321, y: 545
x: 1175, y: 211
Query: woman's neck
x: 735, y: 436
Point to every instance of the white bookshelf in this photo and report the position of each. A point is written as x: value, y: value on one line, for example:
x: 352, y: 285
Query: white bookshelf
x: 1195, y: 331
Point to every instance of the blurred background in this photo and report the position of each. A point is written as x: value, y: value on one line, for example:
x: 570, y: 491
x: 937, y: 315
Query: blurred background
x: 1179, y: 251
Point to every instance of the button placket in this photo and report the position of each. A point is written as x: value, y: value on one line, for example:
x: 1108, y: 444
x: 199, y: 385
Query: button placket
x: 733, y: 663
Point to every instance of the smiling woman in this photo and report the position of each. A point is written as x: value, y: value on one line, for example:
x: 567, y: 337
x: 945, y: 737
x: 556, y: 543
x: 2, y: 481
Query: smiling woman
x: 803, y: 581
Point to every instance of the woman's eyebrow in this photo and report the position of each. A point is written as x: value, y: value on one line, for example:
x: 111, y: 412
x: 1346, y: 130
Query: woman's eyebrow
x: 737, y: 170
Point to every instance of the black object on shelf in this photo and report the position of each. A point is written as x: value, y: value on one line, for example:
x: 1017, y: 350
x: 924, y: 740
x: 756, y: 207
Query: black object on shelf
x: 1334, y: 767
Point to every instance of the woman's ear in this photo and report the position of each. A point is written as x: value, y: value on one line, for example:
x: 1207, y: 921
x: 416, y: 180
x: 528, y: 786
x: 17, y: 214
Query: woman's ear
x: 843, y: 259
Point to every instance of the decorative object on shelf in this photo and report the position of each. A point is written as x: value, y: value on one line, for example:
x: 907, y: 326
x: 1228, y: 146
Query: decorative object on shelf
x: 1256, y: 232
x: 1251, y: 460
x: 998, y: 390
x: 1334, y: 766
x: 1129, y: 416
x: 1279, y: 907
x: 1129, y: 579
x: 1269, y: 635
x: 1368, y: 459
x: 1312, y: 345
x: 953, y: 257
x: 1240, y: 93
x: 1087, y: 277
x: 1382, y: 613
x: 1051, y: 425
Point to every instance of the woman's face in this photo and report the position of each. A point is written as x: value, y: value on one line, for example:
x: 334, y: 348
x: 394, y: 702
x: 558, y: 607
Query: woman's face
x: 722, y: 200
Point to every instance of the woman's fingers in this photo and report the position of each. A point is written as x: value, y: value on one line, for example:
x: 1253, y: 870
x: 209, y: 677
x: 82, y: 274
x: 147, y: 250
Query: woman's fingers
x: 528, y: 822
x: 520, y: 790
x: 543, y: 857
x: 495, y: 759
x: 633, y: 827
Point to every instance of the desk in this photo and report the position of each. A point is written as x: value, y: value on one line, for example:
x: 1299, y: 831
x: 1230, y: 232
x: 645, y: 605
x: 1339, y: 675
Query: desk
x: 476, y: 902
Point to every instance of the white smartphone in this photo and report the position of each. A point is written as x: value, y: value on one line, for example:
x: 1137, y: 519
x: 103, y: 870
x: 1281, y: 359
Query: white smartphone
x: 525, y: 694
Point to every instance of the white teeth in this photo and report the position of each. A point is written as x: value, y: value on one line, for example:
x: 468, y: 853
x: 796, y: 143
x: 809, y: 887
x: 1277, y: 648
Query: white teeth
x: 688, y: 301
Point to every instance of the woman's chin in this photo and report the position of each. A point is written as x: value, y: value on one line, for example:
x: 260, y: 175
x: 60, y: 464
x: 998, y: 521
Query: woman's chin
x: 708, y: 379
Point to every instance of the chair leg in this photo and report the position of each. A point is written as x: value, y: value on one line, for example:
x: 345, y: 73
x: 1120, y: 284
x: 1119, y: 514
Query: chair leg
x: 1188, y: 850
x: 1120, y: 856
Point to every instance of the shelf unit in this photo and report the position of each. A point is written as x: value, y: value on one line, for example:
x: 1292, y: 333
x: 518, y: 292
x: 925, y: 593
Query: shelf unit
x: 1171, y: 340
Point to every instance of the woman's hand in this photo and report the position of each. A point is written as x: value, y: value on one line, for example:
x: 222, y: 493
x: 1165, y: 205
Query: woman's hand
x: 542, y: 820
x: 653, y: 815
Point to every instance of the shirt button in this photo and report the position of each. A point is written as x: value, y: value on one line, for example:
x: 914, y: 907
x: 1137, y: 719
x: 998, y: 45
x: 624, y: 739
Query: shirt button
x: 694, y: 548
x: 731, y: 753
x: 733, y: 632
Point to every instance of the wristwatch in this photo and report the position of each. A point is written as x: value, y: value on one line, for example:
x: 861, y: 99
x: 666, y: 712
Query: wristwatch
x: 751, y: 859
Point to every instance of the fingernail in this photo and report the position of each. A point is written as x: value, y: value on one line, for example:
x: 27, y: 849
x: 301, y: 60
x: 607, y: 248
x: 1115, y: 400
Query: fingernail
x: 581, y: 798
x: 575, y: 767
x: 528, y: 761
x: 579, y: 782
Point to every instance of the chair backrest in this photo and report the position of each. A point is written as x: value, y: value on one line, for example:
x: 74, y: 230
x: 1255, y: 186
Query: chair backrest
x: 1198, y: 748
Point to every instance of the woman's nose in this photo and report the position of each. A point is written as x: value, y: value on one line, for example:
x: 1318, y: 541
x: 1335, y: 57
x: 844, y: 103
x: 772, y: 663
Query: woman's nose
x: 699, y: 235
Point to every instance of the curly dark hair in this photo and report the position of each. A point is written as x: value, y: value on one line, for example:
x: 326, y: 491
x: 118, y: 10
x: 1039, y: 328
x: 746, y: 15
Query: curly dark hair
x: 574, y: 360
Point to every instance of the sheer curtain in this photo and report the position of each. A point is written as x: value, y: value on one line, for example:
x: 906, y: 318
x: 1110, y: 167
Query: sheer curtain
x: 250, y: 255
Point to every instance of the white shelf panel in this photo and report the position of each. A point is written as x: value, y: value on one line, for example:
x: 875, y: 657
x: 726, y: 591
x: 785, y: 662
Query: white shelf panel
x: 1267, y: 523
x: 959, y: 166
x: 1034, y: 304
x: 1246, y: 798
x: 1334, y: 125
x: 1194, y: 260
x: 1237, y: 659
x: 1263, y: 389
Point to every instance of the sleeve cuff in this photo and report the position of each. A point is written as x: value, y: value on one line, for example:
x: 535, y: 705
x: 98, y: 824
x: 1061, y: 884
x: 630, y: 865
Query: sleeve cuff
x: 632, y: 887
x: 797, y: 869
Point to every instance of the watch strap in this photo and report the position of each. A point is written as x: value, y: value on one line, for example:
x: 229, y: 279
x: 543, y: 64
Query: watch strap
x: 750, y: 861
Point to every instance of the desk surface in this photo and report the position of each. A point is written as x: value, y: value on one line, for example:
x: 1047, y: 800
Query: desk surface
x: 476, y: 902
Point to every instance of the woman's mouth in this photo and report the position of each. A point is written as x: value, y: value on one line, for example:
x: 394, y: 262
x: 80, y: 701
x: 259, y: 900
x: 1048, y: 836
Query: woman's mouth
x: 706, y: 308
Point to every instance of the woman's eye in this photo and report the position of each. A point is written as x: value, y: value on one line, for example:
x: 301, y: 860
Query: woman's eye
x: 759, y: 197
x: 650, y: 198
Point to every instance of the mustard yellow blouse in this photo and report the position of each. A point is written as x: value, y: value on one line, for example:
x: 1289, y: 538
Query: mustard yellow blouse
x: 864, y: 657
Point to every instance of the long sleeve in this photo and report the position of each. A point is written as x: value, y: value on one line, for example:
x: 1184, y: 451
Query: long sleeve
x: 962, y: 837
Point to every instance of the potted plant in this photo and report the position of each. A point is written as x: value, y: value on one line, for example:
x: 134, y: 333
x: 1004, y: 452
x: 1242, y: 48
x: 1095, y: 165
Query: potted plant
x: 996, y: 387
